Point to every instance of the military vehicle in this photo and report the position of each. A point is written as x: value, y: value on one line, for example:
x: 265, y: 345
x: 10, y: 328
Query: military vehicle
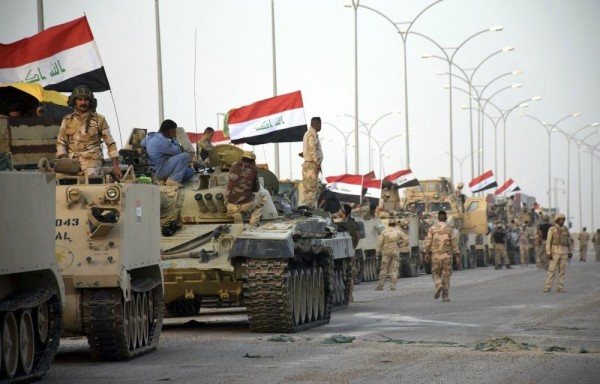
x: 31, y: 289
x: 467, y: 219
x: 289, y: 272
x: 107, y: 255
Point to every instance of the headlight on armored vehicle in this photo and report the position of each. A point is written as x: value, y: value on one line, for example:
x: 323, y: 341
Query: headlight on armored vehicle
x: 112, y: 193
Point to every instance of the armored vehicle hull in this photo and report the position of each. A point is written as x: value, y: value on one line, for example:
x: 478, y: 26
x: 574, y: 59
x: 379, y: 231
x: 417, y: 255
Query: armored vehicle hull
x: 31, y: 288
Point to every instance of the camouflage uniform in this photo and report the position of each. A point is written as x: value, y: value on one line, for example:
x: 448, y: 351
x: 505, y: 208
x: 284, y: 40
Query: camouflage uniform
x: 243, y: 192
x: 524, y: 240
x: 313, y: 156
x: 596, y: 242
x: 442, y: 244
x: 80, y: 137
x: 558, y: 246
x: 203, y: 148
x: 388, y: 247
x: 584, y: 239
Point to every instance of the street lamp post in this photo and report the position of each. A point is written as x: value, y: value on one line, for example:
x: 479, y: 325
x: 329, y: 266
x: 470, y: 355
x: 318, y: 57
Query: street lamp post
x: 355, y: 5
x: 404, y: 36
x: 450, y: 60
x: 346, y: 136
x: 592, y: 155
x: 460, y: 161
x: 582, y: 141
x: 549, y: 128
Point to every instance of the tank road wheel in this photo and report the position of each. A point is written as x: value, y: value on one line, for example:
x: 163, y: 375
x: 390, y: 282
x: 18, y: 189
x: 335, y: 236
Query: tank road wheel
x: 10, y: 346
x: 297, y: 296
x: 145, y: 324
x: 132, y: 322
x: 26, y: 341
x: 42, y: 315
x: 320, y: 280
x: 310, y: 295
x: 138, y: 318
x: 302, y: 281
x: 126, y: 322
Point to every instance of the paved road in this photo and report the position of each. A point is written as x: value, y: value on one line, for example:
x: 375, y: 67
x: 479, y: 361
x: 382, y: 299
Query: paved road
x: 399, y: 336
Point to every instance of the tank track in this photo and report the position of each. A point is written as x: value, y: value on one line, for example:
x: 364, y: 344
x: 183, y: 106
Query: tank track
x: 103, y: 325
x: 269, y: 299
x: 31, y: 299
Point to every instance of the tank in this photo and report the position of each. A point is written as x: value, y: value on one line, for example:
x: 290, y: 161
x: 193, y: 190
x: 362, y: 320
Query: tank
x: 31, y: 288
x: 108, y: 258
x: 289, y: 272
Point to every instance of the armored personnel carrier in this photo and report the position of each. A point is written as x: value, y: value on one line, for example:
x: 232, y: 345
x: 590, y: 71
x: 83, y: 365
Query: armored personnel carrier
x: 107, y: 254
x: 31, y: 288
x: 289, y: 272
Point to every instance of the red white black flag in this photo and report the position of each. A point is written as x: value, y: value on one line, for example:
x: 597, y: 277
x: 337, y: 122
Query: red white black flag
x: 402, y: 179
x: 59, y: 58
x: 347, y: 188
x: 279, y: 119
x: 509, y: 186
x: 483, y: 182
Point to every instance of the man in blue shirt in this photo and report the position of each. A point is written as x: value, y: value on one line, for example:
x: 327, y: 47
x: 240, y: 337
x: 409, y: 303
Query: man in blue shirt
x: 170, y: 162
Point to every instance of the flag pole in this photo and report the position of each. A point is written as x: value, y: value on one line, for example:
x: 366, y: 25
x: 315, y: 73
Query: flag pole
x: 40, y: 14
x: 275, y: 80
x: 161, y: 113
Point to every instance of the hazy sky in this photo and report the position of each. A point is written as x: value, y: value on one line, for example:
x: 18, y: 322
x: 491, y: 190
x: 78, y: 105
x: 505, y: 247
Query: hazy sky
x: 218, y: 55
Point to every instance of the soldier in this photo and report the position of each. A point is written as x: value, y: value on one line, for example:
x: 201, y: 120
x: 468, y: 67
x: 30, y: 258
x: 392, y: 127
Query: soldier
x: 81, y: 133
x: 313, y: 157
x: 499, y: 241
x: 388, y: 247
x: 542, y: 235
x: 381, y: 210
x: 243, y: 190
x: 440, y: 245
x: 204, y: 145
x: 596, y: 242
x: 165, y: 154
x: 584, y: 239
x: 460, y: 196
x: 348, y: 224
x: 559, y: 247
x: 524, y: 240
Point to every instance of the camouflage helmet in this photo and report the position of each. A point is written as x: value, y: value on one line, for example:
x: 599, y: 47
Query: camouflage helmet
x: 249, y: 155
x: 84, y: 92
x: 559, y: 216
x: 460, y: 185
x: 403, y: 223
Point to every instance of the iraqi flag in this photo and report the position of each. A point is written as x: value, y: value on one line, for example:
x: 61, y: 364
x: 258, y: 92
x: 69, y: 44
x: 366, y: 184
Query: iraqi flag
x: 279, y: 119
x: 373, y: 187
x: 347, y: 188
x: 508, y: 187
x: 217, y: 139
x: 59, y: 58
x: 402, y: 179
x: 483, y: 182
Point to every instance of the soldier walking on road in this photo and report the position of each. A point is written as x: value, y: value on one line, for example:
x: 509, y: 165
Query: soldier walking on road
x: 596, y: 242
x: 499, y: 240
x: 388, y: 247
x: 559, y: 249
x: 440, y: 245
x: 524, y: 240
x: 313, y: 157
x: 584, y: 239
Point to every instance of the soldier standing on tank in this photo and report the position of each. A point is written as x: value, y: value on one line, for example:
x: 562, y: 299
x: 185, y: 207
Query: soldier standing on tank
x: 440, y: 246
x: 499, y: 241
x: 584, y: 239
x: 205, y: 145
x: 524, y: 240
x: 388, y: 247
x: 542, y: 235
x: 167, y: 157
x: 243, y: 190
x: 313, y: 157
x: 596, y: 243
x: 81, y: 134
x: 559, y: 249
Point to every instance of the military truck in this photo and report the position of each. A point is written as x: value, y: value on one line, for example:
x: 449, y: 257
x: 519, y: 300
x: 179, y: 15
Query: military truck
x: 31, y: 289
x: 289, y: 272
x: 468, y: 219
x: 106, y: 253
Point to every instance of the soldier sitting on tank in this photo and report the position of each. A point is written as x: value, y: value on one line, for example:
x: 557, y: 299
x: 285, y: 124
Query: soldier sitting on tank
x: 328, y: 201
x: 81, y: 134
x: 170, y: 162
x: 204, y: 145
x: 243, y: 187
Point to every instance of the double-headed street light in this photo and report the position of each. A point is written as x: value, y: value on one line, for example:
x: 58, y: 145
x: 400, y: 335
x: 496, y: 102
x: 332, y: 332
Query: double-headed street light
x: 582, y: 141
x: 404, y: 35
x: 346, y: 136
x: 450, y: 60
x: 460, y: 161
x: 549, y: 129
